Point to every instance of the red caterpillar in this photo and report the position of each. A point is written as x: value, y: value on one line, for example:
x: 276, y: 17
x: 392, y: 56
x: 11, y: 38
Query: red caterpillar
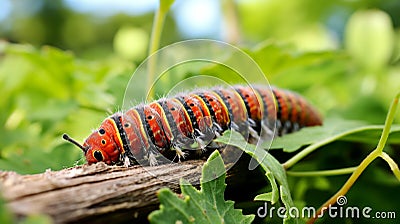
x: 187, y: 123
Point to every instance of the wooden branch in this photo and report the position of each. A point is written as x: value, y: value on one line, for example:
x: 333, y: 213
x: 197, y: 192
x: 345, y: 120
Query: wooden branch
x: 94, y: 194
x: 100, y: 193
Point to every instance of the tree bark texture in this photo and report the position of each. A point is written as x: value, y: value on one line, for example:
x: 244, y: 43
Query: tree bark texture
x: 94, y: 194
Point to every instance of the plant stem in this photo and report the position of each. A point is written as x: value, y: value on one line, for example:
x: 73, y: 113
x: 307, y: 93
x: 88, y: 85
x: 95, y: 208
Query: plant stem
x: 346, y: 187
x: 303, y: 153
x: 156, y: 31
x: 393, y: 165
x: 232, y: 23
x: 322, y: 172
x: 388, y: 123
x: 377, y: 152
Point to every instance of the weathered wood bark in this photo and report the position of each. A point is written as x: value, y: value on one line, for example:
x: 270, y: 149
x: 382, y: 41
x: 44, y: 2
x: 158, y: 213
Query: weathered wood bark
x: 99, y: 193
x: 96, y: 193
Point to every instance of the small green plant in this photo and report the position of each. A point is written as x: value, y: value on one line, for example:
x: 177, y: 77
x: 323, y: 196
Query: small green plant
x: 200, y: 206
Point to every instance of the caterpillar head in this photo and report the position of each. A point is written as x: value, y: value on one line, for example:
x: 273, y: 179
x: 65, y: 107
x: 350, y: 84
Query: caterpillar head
x: 101, y: 145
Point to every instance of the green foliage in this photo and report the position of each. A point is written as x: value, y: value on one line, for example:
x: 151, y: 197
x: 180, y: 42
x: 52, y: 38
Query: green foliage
x: 47, y: 92
x: 5, y: 214
x: 274, y: 171
x: 204, y: 206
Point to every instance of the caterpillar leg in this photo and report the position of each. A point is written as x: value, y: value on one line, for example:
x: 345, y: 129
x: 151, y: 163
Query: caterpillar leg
x: 127, y: 161
x: 202, y: 144
x: 124, y: 160
x: 179, y: 153
x: 152, y: 159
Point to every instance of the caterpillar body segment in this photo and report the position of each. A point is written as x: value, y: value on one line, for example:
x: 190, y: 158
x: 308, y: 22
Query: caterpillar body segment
x: 183, y: 127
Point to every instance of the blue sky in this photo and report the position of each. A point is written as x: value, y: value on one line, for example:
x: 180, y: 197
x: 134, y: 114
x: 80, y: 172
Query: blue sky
x: 195, y: 18
x: 109, y: 7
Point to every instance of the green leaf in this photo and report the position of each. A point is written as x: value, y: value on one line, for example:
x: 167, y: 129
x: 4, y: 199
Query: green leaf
x: 5, y: 215
x: 204, y: 206
x: 274, y: 171
x: 264, y: 197
x: 333, y: 130
x: 50, y: 92
x: 274, y: 192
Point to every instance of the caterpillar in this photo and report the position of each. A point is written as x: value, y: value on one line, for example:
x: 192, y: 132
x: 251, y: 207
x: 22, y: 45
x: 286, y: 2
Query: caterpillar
x: 185, y: 125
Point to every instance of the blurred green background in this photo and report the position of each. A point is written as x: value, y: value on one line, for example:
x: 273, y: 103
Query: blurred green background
x: 64, y: 66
